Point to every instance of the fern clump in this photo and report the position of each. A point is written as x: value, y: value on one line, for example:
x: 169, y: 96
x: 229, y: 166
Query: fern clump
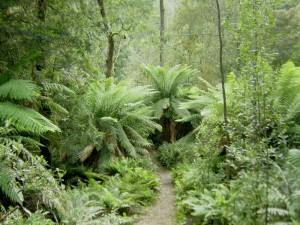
x: 24, y: 175
x: 131, y: 187
x: 37, y: 218
x: 119, y: 112
x: 172, y: 154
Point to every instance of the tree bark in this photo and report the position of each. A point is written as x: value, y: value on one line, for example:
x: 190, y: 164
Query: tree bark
x: 226, y: 145
x: 162, y: 33
x: 166, y: 129
x: 110, y: 39
x: 110, y: 56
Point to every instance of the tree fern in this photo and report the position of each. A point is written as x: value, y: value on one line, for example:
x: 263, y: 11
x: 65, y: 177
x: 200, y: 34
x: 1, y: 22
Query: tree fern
x: 121, y: 114
x: 166, y: 101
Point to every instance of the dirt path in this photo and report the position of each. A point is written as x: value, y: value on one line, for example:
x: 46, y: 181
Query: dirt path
x: 163, y: 212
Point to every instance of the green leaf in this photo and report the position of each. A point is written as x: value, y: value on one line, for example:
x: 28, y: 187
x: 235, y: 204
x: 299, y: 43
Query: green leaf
x: 9, y: 187
x: 19, y: 90
x: 25, y: 119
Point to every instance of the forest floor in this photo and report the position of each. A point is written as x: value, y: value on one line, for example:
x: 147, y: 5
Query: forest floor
x: 163, y: 212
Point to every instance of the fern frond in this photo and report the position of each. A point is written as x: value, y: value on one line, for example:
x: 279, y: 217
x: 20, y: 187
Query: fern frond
x: 178, y: 112
x: 19, y: 90
x: 135, y: 137
x: 142, y: 120
x: 283, y: 223
x: 24, y: 140
x: 54, y: 105
x: 55, y: 87
x: 142, y: 151
x: 294, y: 157
x: 25, y: 119
x: 160, y: 105
x: 289, y: 85
x: 278, y: 212
x: 9, y: 187
x: 125, y: 142
x: 190, y: 118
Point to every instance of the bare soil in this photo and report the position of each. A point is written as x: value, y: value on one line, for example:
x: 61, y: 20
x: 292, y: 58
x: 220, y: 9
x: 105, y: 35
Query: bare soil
x: 163, y: 212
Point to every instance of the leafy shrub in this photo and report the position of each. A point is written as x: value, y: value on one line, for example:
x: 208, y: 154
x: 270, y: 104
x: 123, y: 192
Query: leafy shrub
x: 113, y: 219
x: 121, y: 166
x: 172, y: 154
x: 77, y: 207
x: 37, y: 218
x: 243, y: 201
x: 29, y: 180
x: 130, y: 188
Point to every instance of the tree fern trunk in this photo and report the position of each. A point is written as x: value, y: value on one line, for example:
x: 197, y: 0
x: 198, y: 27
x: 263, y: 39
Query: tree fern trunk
x: 166, y: 132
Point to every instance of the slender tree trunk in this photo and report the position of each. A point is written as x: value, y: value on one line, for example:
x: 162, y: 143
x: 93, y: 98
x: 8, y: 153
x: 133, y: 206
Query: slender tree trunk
x: 162, y: 33
x: 41, y: 15
x: 110, y: 39
x: 226, y: 145
x: 39, y: 66
x: 110, y: 56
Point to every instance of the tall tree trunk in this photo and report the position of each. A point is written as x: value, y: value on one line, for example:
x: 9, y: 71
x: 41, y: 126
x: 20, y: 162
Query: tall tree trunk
x: 162, y: 32
x: 39, y: 66
x: 110, y: 39
x: 41, y: 15
x: 226, y: 145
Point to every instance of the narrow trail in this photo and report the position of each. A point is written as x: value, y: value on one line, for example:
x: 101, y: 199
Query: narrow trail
x: 163, y: 212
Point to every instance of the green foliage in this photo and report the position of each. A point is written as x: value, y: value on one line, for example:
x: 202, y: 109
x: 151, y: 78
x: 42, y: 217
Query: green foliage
x: 294, y: 157
x: 23, y: 118
x: 37, y: 218
x: 26, y: 119
x: 172, y: 154
x: 134, y: 185
x: 24, y: 178
x: 213, y: 206
x: 288, y: 89
x: 243, y: 202
x: 196, y: 43
x: 122, y: 166
x: 77, y: 207
x: 119, y: 112
x: 192, y: 178
x: 286, y: 41
x: 9, y: 186
x: 19, y: 90
x: 168, y: 83
x: 128, y: 191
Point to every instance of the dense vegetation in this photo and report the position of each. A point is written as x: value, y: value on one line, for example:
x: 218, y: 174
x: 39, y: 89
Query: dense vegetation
x: 83, y: 102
